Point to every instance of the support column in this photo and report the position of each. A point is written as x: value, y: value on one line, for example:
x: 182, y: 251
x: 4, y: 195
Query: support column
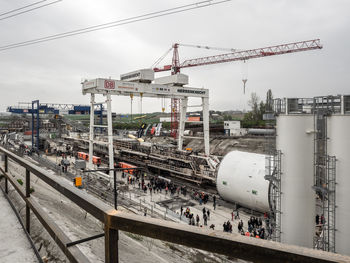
x: 110, y: 135
x: 183, y: 110
x: 92, y: 123
x: 205, y: 103
x: 111, y: 245
x: 27, y: 195
x: 6, y: 170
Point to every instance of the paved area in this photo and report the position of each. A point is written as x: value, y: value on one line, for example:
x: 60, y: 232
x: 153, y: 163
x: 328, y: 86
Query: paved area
x: 14, y: 245
x: 170, y: 207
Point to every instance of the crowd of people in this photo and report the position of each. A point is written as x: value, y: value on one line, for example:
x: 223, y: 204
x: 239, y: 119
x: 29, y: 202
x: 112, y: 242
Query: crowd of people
x: 196, y: 221
x: 255, y: 228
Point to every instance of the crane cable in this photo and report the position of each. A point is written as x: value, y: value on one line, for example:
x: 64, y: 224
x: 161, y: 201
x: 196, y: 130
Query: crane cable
x: 213, y: 48
x: 244, y: 74
x: 161, y: 58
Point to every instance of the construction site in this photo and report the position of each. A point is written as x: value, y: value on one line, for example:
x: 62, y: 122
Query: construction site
x: 109, y: 178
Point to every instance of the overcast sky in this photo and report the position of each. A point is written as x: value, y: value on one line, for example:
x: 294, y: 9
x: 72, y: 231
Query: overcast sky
x: 52, y: 71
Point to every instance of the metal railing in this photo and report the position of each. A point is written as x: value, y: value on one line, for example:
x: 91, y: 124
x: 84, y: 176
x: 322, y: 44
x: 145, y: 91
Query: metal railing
x: 232, y: 245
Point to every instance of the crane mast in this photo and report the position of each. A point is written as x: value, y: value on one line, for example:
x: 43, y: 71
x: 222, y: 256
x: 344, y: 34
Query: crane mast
x: 236, y: 55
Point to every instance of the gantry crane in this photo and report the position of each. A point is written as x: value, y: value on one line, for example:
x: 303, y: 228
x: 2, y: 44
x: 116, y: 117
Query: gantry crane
x: 233, y: 55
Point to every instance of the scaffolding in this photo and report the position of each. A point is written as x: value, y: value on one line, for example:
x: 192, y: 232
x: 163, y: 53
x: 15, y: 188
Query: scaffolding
x: 324, y: 174
x: 273, y: 172
x: 273, y: 175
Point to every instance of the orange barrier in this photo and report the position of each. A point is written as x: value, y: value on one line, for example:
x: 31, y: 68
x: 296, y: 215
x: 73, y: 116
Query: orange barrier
x: 127, y: 165
x: 85, y: 156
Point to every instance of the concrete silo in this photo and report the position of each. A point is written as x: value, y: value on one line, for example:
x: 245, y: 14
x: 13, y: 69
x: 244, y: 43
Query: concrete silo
x: 338, y: 126
x: 295, y: 141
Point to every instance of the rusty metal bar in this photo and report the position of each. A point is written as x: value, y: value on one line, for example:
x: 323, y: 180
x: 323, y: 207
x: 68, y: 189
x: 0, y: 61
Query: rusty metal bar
x: 27, y: 195
x: 73, y: 243
x: 111, y: 245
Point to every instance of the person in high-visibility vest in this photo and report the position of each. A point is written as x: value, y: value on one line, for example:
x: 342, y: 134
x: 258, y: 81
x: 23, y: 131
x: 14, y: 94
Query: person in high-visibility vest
x: 247, y: 234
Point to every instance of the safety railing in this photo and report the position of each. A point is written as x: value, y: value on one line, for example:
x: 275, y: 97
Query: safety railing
x: 232, y: 245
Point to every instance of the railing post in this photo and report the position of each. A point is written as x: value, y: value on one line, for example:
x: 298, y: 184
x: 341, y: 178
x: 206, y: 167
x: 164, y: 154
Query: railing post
x: 111, y: 245
x: 27, y: 195
x: 6, y: 170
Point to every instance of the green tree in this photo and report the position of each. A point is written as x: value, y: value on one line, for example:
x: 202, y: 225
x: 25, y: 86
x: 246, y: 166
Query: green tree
x: 255, y: 116
x: 269, y: 100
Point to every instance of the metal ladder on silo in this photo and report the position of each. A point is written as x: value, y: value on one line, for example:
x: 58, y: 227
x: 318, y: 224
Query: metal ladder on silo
x: 324, y: 176
x: 273, y: 175
x: 273, y: 170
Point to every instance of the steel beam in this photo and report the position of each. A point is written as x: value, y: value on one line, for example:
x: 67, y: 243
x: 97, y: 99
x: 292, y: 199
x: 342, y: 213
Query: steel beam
x: 110, y: 134
x: 73, y: 243
x: 111, y: 245
x: 92, y: 130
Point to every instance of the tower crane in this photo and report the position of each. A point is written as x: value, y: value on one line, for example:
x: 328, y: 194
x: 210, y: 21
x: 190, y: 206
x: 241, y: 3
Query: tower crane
x: 232, y: 55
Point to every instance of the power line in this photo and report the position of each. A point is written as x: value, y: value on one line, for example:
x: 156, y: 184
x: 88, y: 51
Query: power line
x: 130, y: 20
x: 29, y: 10
x: 23, y: 7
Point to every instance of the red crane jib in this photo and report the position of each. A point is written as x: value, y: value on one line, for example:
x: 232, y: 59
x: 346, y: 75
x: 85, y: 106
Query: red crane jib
x: 229, y: 57
x: 248, y: 54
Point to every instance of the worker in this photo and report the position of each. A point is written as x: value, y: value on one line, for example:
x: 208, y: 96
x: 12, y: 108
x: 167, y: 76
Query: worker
x: 214, y: 202
x: 205, y: 218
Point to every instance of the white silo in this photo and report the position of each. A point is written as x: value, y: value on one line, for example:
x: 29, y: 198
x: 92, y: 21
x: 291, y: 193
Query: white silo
x: 295, y: 141
x: 241, y: 180
x: 339, y: 146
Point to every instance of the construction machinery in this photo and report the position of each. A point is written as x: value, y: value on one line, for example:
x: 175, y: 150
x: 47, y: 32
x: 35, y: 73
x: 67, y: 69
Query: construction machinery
x: 233, y: 55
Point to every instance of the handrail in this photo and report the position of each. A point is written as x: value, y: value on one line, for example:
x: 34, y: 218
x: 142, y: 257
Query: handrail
x: 233, y: 245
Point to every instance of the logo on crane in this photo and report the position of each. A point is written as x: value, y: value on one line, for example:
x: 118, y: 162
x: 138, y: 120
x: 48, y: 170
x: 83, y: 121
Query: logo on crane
x: 109, y: 84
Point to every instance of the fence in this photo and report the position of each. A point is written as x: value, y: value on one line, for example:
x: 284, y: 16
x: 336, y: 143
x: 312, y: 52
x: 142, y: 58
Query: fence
x: 232, y: 245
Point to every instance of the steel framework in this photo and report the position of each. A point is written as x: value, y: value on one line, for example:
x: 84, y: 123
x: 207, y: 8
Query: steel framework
x: 273, y: 174
x: 109, y: 87
x: 236, y: 55
x: 324, y: 173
